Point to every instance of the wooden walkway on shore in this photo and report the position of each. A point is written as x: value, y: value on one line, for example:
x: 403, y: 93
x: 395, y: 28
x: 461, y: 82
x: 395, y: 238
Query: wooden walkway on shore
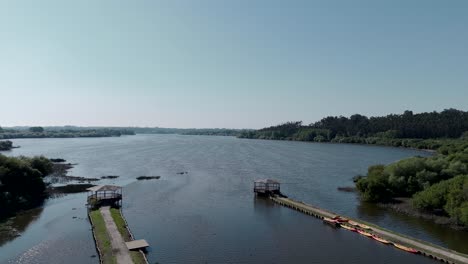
x: 427, y: 249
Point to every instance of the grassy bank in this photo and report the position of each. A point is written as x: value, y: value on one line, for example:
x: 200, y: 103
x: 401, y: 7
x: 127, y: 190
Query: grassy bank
x: 102, y: 238
x: 137, y: 256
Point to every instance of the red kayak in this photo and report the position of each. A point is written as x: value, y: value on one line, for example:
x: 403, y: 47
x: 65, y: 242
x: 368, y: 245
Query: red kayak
x: 340, y: 219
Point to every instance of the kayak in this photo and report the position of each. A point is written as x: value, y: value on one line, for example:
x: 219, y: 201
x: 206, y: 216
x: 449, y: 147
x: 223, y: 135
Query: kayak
x: 364, y: 233
x: 381, y: 239
x: 407, y: 249
x: 340, y: 219
x: 363, y: 226
x: 349, y: 228
x: 330, y: 221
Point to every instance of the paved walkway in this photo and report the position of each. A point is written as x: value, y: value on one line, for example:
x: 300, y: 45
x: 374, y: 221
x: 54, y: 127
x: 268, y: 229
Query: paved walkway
x: 119, y: 249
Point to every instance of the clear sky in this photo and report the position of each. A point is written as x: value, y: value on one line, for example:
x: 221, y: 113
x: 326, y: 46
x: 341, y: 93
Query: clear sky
x: 235, y: 64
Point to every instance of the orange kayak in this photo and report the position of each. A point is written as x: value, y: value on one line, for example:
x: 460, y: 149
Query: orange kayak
x: 364, y: 233
x: 407, y: 249
x: 381, y: 239
x: 349, y: 228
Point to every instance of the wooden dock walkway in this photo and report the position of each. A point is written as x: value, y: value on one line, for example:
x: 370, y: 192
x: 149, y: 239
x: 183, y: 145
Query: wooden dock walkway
x: 427, y: 249
x: 119, y: 248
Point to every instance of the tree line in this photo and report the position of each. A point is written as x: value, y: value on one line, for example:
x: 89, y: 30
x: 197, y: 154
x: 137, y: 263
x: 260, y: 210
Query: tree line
x: 437, y: 184
x: 450, y: 123
x: 21, y: 183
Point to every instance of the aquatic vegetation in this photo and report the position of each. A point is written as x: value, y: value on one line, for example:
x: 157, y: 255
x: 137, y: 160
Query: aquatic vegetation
x: 140, y: 178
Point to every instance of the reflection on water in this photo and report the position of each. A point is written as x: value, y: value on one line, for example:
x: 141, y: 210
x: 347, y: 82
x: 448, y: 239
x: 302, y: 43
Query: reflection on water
x: 58, y: 234
x: 13, y: 227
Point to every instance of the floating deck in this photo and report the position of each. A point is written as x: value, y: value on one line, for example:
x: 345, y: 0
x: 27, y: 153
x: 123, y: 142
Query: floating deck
x: 137, y: 244
x: 426, y: 249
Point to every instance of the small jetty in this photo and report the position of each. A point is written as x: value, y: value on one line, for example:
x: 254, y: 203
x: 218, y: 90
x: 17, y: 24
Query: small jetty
x: 114, y: 241
x: 365, y: 229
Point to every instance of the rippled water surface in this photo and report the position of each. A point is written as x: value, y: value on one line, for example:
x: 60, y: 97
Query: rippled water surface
x: 210, y: 214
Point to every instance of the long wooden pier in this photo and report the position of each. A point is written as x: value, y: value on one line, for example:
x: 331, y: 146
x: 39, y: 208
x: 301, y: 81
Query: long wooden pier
x: 424, y: 248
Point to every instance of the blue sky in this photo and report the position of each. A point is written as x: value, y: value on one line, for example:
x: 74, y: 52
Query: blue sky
x: 235, y: 64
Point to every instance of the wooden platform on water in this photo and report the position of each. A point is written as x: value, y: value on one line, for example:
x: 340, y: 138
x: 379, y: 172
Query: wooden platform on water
x: 137, y: 244
x: 425, y: 248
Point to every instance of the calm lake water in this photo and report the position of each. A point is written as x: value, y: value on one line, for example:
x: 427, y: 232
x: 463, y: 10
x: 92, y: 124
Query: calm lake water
x: 211, y: 215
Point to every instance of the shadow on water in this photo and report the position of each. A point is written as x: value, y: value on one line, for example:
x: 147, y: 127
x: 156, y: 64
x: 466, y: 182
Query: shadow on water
x: 451, y: 238
x: 262, y: 204
x: 13, y: 227
x: 264, y: 208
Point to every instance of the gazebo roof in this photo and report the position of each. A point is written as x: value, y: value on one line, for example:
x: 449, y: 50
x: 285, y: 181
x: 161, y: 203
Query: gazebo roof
x: 102, y: 188
x: 267, y: 181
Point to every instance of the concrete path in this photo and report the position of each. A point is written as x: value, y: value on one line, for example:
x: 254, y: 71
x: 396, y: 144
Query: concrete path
x: 119, y: 249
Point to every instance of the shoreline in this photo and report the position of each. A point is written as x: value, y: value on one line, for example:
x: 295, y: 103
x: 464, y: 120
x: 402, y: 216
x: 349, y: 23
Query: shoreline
x: 403, y: 206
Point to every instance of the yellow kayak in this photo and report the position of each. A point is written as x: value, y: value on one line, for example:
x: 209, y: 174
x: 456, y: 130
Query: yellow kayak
x: 381, y: 239
x: 364, y: 226
x: 364, y: 233
x: 349, y: 228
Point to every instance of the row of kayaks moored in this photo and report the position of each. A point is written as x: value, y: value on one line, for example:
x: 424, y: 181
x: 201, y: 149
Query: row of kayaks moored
x: 360, y: 228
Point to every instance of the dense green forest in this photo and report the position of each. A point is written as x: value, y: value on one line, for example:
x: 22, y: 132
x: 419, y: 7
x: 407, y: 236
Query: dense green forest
x: 406, y: 130
x: 21, y: 183
x: 64, y: 132
x: 6, y: 145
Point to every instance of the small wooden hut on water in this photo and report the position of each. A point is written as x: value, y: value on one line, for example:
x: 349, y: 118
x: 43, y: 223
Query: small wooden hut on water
x: 266, y: 187
x: 104, y: 195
